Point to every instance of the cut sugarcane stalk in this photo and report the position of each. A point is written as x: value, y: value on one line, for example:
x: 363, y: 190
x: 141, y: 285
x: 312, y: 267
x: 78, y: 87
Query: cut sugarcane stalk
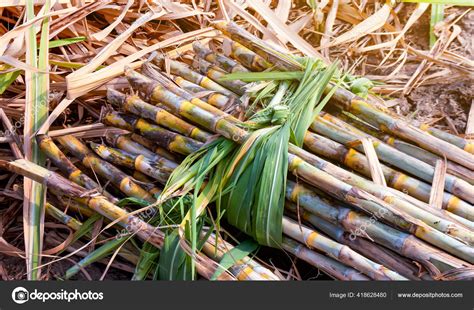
x: 180, y: 69
x: 454, y: 185
x: 134, y: 105
x: 228, y: 64
x: 300, y: 167
x: 358, y: 106
x: 341, y: 252
x: 216, y: 74
x: 328, y: 265
x: 101, y: 205
x: 104, y: 169
x: 67, y: 167
x: 164, y: 138
x: 157, y: 169
x: 351, y: 158
x: 362, y: 225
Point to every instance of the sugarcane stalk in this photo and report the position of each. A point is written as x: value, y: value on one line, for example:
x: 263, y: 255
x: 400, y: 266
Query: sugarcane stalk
x: 366, y: 248
x: 351, y: 158
x: 299, y: 166
x: 134, y: 105
x: 361, y: 225
x: 216, y: 74
x: 157, y: 169
x: 410, y: 222
x: 342, y: 253
x: 405, y: 147
x: 213, y: 98
x: 454, y: 185
x: 150, y: 145
x: 180, y: 69
x: 187, y: 109
x: 328, y: 265
x: 164, y: 138
x: 358, y: 106
x: 50, y: 149
x: 104, y: 169
x: 228, y: 64
x: 218, y: 100
x: 101, y: 205
x: 62, y: 217
x: 246, y: 269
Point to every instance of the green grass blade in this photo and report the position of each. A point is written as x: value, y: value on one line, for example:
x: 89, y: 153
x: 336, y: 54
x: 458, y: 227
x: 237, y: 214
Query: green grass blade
x: 6, y: 79
x: 103, y: 251
x: 64, y: 42
x: 437, y: 15
x: 235, y: 254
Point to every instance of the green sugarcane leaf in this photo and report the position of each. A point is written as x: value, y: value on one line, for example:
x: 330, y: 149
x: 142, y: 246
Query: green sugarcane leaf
x: 174, y: 263
x: 6, y: 79
x: 132, y: 201
x: 63, y: 42
x: 234, y: 255
x: 86, y: 227
x: 263, y: 76
x: 96, y: 255
x: 147, y: 261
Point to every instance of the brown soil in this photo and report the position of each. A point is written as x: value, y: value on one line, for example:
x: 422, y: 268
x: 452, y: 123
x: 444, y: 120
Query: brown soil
x: 445, y: 106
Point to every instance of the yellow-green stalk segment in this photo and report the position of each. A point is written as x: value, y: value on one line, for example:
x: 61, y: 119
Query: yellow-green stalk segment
x: 324, y: 263
x: 218, y: 100
x: 181, y: 69
x: 388, y: 154
x: 400, y: 128
x: 157, y: 169
x: 361, y: 225
x: 62, y: 217
x: 299, y: 166
x: 104, y: 169
x: 149, y: 144
x: 101, y: 205
x: 342, y: 253
x: 170, y: 140
x: 356, y: 105
x: 158, y: 77
x: 410, y: 219
x: 405, y: 147
x: 226, y: 63
x: 60, y: 160
x: 369, y: 249
x: 332, y: 150
x: 187, y: 109
x: 246, y: 269
x: 246, y: 57
x: 125, y: 142
x: 215, y: 73
x: 133, y: 104
x: 252, y: 48
x: 462, y: 143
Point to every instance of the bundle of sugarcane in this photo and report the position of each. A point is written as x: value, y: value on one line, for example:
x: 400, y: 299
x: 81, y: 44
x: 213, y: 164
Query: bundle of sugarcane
x: 393, y: 220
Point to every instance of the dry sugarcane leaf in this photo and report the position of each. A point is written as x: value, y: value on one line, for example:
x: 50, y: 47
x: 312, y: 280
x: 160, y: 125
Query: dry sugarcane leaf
x: 375, y: 168
x: 417, y: 13
x: 328, y: 31
x: 369, y: 25
x: 79, y: 85
x: 284, y: 31
x: 267, y: 33
x: 437, y: 186
x: 99, y: 36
